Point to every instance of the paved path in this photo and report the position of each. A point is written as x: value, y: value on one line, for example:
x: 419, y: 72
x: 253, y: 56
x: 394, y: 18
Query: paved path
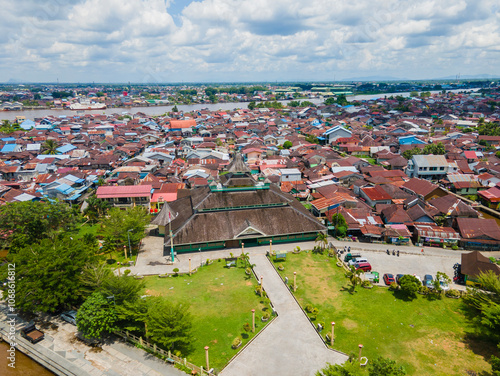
x: 289, y: 345
x: 75, y: 358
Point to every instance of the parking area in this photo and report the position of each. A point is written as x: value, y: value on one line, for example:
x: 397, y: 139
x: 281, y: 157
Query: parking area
x: 412, y: 263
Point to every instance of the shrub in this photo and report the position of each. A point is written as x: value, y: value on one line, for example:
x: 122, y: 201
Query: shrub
x: 236, y: 343
x: 454, y: 247
x: 453, y: 293
x: 281, y: 267
x: 309, y: 308
x: 423, y: 290
x: 366, y: 283
x: 126, y: 272
x: 248, y: 271
x: 247, y: 327
x: 394, y: 286
x: 266, y: 316
x: 176, y: 271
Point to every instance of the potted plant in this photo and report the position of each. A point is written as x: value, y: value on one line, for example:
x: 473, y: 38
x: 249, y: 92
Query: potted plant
x: 281, y: 268
x: 248, y: 271
x: 454, y: 294
x: 265, y: 316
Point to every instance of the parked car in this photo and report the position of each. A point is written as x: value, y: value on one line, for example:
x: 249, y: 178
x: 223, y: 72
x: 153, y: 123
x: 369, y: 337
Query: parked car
x: 443, y: 284
x: 69, y: 316
x: 428, y: 281
x: 364, y: 266
x: 398, y: 277
x: 357, y: 260
x: 388, y: 279
x: 372, y: 277
x: 351, y: 256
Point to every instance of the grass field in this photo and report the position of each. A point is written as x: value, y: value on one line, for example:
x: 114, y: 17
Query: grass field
x: 221, y: 301
x: 427, y: 337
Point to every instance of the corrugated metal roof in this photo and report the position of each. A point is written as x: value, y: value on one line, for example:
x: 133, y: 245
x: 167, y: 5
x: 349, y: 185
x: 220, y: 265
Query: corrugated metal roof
x: 124, y: 191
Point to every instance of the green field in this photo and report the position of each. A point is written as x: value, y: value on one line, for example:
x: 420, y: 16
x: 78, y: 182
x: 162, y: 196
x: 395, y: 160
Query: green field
x: 221, y: 301
x: 427, y: 337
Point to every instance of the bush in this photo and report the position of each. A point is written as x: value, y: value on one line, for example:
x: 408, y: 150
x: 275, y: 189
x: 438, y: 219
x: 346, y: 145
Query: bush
x: 453, y: 293
x: 266, y: 316
x: 308, y: 308
x: 236, y: 343
x: 454, y: 247
x: 176, y: 271
x: 394, y: 286
x: 424, y: 290
x: 248, y: 271
x: 247, y: 327
x: 366, y: 284
x: 281, y: 268
x: 126, y: 272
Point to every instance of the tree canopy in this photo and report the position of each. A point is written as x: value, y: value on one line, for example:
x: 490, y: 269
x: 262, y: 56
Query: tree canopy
x: 96, y: 316
x: 48, y: 274
x: 435, y: 149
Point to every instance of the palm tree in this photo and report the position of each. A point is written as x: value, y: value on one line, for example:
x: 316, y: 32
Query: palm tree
x: 322, y: 239
x: 49, y: 147
x: 354, y: 277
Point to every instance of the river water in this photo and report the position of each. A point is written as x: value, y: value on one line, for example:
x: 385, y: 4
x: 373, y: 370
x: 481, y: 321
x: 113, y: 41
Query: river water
x: 160, y: 110
x: 25, y: 366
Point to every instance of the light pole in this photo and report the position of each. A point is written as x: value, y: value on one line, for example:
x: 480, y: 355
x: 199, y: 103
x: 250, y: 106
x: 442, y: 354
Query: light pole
x: 129, y: 246
x: 253, y: 320
x: 206, y: 358
x: 333, y: 333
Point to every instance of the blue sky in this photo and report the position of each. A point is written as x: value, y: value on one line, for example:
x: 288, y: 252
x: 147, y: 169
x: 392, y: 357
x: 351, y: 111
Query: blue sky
x: 157, y: 41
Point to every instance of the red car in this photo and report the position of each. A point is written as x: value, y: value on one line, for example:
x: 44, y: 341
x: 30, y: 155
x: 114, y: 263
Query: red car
x: 388, y: 279
x: 364, y: 266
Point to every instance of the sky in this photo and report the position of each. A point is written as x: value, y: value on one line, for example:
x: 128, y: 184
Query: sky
x: 162, y: 41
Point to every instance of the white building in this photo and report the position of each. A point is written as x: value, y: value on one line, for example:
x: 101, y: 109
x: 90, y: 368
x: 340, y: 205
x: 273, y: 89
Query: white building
x: 431, y: 167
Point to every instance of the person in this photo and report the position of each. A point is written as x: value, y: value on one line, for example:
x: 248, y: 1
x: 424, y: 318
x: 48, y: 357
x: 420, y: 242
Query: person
x: 398, y: 253
x: 422, y: 251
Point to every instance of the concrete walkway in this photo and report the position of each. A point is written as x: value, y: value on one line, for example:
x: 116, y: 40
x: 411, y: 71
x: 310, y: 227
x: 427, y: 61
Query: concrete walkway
x: 61, y: 352
x: 289, y: 345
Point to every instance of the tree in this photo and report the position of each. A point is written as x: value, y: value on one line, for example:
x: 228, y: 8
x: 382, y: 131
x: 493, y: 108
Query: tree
x: 116, y: 226
x: 96, y: 208
x: 294, y: 104
x: 175, y: 109
x: 409, y: 285
x: 26, y: 223
x: 93, y: 277
x: 251, y: 106
x: 96, y: 316
x: 322, y: 240
x: 485, y: 303
x: 349, y: 368
x: 354, y: 277
x: 50, y: 147
x: 170, y: 324
x: 385, y: 367
x: 48, y: 274
x: 287, y: 144
x: 123, y: 288
x: 340, y: 224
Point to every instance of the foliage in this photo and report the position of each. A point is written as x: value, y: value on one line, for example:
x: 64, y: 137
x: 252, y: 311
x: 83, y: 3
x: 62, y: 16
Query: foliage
x: 247, y: 327
x: 123, y: 288
x: 170, y: 324
x: 94, y: 276
x: 486, y: 304
x: 322, y: 240
x: 25, y: 223
x: 251, y: 106
x: 287, y: 144
x: 495, y: 365
x: 116, y: 226
x: 488, y: 129
x: 50, y: 147
x: 434, y: 149
x: 340, y: 224
x: 409, y: 285
x: 96, y: 208
x: 349, y: 368
x: 354, y: 277
x: 96, y: 317
x: 236, y: 342
x: 385, y: 367
x: 48, y: 274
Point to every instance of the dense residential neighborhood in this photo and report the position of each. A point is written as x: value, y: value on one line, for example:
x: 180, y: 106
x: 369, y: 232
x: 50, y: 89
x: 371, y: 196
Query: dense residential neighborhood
x: 403, y: 162
x: 133, y: 227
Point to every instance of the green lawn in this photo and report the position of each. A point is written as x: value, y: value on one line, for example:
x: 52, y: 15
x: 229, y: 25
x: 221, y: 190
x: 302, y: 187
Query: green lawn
x: 427, y: 337
x: 221, y: 301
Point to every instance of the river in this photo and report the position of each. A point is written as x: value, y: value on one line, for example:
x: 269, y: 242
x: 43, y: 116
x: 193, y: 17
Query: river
x: 25, y: 366
x: 160, y: 110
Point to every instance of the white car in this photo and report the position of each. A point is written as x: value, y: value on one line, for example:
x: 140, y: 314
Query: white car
x: 443, y: 284
x: 357, y: 260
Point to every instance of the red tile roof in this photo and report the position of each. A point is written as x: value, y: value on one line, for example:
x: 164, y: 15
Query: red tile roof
x: 124, y: 191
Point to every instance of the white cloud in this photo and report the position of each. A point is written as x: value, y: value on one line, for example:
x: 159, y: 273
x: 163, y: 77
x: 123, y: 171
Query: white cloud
x: 230, y: 40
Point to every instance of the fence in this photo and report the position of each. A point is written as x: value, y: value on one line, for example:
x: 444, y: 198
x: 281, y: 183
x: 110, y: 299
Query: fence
x: 167, y: 356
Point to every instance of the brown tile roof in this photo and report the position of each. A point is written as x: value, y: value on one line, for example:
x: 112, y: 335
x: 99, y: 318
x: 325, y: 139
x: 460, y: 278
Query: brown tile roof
x: 478, y: 228
x: 475, y: 263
